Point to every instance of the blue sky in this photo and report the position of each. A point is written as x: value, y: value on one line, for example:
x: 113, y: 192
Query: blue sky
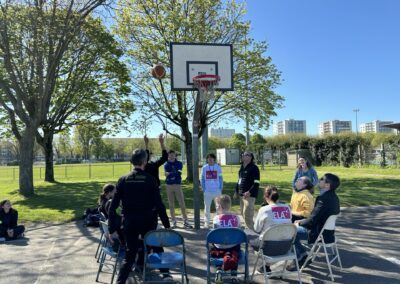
x: 334, y: 55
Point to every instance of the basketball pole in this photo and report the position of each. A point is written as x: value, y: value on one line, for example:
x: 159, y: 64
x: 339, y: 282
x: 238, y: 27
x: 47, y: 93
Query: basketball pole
x: 195, y: 155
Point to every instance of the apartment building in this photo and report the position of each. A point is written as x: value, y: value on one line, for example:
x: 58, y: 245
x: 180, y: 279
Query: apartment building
x: 288, y: 126
x: 334, y: 127
x: 376, y: 126
x: 221, y: 132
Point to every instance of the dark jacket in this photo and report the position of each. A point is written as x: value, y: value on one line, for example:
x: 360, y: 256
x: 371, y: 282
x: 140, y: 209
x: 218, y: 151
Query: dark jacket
x: 8, y: 220
x: 249, y: 180
x: 141, y: 199
x: 325, y: 206
x: 175, y: 170
x: 152, y: 167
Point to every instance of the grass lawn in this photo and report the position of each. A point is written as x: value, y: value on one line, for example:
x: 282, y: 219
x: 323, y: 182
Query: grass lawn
x: 75, y: 191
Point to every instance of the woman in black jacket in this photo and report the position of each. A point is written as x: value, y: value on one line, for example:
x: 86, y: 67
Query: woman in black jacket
x: 8, y: 222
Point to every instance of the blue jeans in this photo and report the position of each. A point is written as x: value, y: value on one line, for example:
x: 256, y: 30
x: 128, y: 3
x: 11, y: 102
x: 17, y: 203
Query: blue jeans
x: 302, y: 234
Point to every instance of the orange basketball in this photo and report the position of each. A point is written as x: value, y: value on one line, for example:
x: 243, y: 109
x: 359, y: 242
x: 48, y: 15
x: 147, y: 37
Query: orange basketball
x: 158, y: 71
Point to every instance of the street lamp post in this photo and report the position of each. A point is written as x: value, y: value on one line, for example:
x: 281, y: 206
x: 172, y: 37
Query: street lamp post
x: 356, y: 111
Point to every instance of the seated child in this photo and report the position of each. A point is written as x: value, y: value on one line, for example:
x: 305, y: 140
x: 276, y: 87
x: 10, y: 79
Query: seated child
x: 8, y: 222
x: 226, y: 219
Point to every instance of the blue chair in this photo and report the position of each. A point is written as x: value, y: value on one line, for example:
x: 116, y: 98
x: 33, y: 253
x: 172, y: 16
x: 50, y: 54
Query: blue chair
x: 227, y: 236
x: 102, y: 239
x: 108, y: 251
x: 174, y: 259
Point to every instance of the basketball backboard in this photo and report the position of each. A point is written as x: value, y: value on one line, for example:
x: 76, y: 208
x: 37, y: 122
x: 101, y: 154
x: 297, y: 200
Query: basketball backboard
x: 192, y: 59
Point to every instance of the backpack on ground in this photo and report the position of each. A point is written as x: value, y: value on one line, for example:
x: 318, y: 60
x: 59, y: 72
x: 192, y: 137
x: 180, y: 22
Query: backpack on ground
x: 92, y: 217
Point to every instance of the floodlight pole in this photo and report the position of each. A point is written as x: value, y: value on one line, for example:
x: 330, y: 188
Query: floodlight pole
x: 195, y: 155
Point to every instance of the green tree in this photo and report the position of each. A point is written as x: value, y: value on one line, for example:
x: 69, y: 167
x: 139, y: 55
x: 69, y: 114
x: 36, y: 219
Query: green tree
x: 157, y: 23
x: 93, y: 88
x: 258, y: 145
x: 238, y: 140
x: 34, y: 36
x: 85, y: 137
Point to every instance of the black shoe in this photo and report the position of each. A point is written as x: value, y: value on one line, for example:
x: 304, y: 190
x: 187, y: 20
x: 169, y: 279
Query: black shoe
x: 261, y: 269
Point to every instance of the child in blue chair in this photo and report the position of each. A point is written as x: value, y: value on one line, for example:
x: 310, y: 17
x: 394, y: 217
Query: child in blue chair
x: 226, y: 219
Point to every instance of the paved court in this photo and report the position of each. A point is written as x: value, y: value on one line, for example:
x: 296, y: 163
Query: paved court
x: 369, y: 246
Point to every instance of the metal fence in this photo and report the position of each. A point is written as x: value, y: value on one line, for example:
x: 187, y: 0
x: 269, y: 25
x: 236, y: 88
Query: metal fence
x: 71, y: 171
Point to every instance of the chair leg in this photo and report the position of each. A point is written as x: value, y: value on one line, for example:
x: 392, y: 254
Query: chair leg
x: 101, y: 263
x: 255, y: 265
x: 338, y: 256
x: 329, y: 263
x: 114, y: 268
x: 96, y: 256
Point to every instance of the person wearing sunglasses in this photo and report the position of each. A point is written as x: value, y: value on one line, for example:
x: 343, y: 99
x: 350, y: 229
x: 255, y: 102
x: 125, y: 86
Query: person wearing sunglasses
x: 326, y: 204
x: 247, y: 188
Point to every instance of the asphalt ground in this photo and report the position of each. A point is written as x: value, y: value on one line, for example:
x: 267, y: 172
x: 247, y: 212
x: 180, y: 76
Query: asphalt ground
x: 369, y: 245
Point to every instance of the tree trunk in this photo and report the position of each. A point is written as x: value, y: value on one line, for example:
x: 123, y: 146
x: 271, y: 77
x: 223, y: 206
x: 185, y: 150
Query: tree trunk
x: 26, y: 162
x: 189, y: 156
x: 46, y: 142
x: 48, y: 155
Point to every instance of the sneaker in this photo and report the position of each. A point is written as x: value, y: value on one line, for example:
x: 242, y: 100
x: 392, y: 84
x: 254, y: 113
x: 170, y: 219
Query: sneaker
x: 187, y: 225
x: 167, y: 277
x: 173, y: 226
x: 261, y: 269
x: 292, y: 266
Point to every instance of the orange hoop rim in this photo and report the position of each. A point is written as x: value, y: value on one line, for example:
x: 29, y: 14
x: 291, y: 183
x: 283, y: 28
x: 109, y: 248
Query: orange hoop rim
x: 206, y: 81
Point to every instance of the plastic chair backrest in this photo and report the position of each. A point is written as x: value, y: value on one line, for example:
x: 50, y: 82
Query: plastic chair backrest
x: 278, y: 239
x: 163, y: 238
x: 280, y: 232
x: 227, y: 236
x: 330, y: 223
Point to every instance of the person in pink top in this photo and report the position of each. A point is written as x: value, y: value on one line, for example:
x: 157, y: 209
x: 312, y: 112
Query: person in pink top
x: 271, y: 214
x: 226, y: 219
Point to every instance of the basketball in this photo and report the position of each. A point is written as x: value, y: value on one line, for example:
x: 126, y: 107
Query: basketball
x: 158, y: 71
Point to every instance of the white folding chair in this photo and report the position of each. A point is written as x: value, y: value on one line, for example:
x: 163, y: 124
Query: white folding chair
x: 330, y: 224
x: 277, y: 245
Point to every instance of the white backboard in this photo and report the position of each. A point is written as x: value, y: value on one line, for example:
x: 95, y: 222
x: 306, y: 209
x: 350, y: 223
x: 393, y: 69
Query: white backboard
x: 192, y: 59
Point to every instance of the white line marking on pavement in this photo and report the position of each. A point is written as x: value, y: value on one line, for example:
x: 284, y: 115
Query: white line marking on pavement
x: 390, y: 259
x: 44, y: 265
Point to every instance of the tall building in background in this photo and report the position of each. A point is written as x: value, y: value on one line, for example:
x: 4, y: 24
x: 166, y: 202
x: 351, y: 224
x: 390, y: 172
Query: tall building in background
x: 221, y: 132
x: 334, y: 127
x: 289, y: 126
x: 376, y: 126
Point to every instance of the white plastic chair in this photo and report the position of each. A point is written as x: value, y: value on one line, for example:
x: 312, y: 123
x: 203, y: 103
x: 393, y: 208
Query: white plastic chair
x: 330, y: 224
x: 277, y: 245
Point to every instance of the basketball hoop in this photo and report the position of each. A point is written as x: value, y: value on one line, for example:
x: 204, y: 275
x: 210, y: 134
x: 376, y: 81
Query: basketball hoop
x: 206, y: 85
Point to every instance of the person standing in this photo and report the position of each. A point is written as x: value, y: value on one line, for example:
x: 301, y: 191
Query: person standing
x: 211, y: 183
x: 304, y: 168
x: 326, y: 204
x: 247, y: 188
x: 141, y: 201
x: 153, y: 167
x: 173, y: 173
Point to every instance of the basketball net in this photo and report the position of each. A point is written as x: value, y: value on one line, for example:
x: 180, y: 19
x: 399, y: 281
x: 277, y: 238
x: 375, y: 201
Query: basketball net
x: 206, y: 85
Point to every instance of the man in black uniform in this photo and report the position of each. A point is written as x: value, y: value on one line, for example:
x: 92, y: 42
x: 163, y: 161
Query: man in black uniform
x: 141, y: 201
x: 247, y: 188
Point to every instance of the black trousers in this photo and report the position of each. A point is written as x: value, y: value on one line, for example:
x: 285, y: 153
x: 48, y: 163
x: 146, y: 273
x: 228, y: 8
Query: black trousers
x: 133, y: 228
